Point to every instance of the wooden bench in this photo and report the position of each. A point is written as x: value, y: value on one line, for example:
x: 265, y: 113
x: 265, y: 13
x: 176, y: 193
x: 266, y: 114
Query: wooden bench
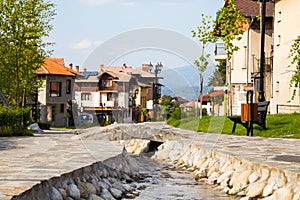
x: 262, y: 110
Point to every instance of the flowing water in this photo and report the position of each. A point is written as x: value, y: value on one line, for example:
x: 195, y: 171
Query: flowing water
x: 164, y: 181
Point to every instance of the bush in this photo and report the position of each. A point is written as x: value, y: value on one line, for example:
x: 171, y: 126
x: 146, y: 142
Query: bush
x: 176, y: 114
x: 13, y: 121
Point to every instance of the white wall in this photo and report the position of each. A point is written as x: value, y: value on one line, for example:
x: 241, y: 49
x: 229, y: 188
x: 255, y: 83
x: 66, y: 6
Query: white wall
x: 286, y: 29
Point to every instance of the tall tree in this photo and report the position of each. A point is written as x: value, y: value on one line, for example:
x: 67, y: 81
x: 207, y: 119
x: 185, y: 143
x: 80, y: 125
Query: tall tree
x: 219, y: 75
x: 205, y: 35
x: 24, y: 25
x: 230, y: 25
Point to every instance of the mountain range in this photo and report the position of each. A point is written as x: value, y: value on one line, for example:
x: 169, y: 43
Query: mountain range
x: 183, y: 81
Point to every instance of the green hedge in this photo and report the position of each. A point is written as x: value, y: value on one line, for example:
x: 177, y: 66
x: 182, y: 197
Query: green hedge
x: 14, y: 121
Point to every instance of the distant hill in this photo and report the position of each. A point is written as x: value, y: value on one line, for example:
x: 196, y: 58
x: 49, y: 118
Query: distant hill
x: 182, y: 81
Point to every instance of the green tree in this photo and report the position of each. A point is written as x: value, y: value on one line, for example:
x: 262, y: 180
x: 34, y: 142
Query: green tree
x: 230, y: 26
x: 24, y: 25
x: 295, y: 56
x: 219, y: 75
x: 205, y: 35
x: 169, y: 105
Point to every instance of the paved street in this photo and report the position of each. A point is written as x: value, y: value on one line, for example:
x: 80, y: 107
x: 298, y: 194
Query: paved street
x: 275, y: 152
x: 25, y: 161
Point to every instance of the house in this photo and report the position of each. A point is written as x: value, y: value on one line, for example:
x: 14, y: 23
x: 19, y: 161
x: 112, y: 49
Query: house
x: 87, y: 92
x: 215, y: 103
x: 285, y: 32
x: 117, y: 93
x: 243, y: 67
x: 195, y: 105
x: 57, y: 91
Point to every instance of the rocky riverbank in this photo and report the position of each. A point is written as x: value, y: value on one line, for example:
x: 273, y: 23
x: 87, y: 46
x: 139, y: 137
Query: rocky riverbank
x: 111, y: 179
x: 233, y: 175
x: 238, y: 166
x: 124, y: 177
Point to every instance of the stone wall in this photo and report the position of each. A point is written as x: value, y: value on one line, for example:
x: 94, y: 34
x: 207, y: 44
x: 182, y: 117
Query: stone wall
x: 110, y: 179
x: 233, y: 175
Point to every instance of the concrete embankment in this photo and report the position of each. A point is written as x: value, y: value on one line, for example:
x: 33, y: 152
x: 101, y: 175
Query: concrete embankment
x: 249, y: 168
x: 110, y: 179
x: 234, y: 175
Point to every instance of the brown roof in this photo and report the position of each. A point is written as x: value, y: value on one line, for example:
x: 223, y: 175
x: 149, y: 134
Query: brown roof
x: 252, y: 8
x: 55, y: 66
x: 216, y: 93
x: 128, y: 70
x: 190, y: 104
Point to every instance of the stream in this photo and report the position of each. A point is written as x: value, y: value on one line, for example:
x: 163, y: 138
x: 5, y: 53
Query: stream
x: 165, y: 181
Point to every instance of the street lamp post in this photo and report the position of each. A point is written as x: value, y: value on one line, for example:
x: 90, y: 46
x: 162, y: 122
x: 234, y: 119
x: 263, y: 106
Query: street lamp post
x: 261, y: 92
x: 133, y: 94
x: 155, y: 70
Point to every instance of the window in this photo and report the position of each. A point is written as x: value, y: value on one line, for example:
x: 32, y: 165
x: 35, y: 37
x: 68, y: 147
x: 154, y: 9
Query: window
x: 55, y: 89
x: 62, y: 108
x: 68, y: 86
x: 86, y: 97
x: 107, y: 83
x: 109, y: 96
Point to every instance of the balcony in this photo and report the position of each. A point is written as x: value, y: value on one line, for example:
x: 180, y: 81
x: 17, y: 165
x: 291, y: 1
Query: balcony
x: 220, y: 53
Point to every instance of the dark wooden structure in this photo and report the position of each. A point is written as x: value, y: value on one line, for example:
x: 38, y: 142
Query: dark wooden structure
x: 252, y: 113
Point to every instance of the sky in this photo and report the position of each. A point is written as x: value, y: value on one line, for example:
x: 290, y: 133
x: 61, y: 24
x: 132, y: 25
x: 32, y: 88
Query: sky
x: 82, y: 27
x: 88, y: 33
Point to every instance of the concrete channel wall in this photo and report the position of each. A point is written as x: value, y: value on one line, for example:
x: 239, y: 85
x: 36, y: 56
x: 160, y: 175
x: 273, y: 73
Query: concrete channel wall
x: 233, y: 174
x: 109, y: 179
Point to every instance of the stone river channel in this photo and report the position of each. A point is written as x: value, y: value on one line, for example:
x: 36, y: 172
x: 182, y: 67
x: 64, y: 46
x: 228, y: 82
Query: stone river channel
x: 165, y: 181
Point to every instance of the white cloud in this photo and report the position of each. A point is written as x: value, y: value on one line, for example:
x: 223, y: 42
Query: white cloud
x: 83, y: 44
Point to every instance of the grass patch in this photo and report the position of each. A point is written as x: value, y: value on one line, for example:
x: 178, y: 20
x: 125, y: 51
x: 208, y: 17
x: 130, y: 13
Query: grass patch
x: 8, y: 132
x: 61, y: 128
x: 278, y: 125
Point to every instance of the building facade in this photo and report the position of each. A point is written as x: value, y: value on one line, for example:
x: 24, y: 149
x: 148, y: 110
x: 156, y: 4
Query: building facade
x: 116, y: 93
x: 285, y: 32
x: 243, y: 68
x: 57, y: 91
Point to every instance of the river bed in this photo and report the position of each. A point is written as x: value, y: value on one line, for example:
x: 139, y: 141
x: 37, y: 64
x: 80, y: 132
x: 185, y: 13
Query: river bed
x: 163, y: 181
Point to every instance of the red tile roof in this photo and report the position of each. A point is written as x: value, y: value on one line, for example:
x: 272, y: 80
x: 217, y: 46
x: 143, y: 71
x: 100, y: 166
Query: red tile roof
x: 56, y: 66
x: 217, y: 93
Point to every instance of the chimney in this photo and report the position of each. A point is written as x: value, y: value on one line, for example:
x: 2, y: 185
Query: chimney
x: 77, y: 69
x: 145, y: 67
x: 71, y: 66
x: 101, y: 69
x: 84, y: 70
